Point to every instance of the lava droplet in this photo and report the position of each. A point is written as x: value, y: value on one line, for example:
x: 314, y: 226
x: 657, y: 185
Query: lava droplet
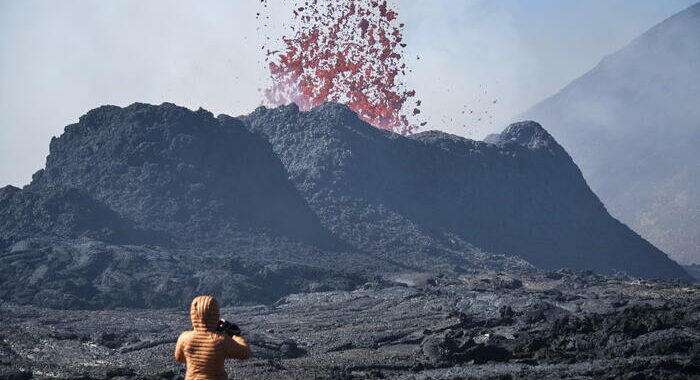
x: 349, y: 52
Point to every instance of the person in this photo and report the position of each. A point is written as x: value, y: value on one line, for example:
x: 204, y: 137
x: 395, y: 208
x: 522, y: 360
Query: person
x: 204, y: 349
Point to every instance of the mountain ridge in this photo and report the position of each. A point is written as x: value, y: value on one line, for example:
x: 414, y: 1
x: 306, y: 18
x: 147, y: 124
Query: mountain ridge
x: 165, y: 203
x: 392, y: 177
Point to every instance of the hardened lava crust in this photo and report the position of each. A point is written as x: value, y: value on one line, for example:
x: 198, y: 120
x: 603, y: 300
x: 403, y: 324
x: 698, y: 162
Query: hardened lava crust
x: 485, y: 325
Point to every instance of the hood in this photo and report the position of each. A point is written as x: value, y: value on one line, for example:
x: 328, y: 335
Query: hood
x: 204, y: 313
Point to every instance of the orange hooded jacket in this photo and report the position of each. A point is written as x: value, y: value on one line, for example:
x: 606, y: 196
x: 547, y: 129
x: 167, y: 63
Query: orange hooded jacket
x: 203, y: 349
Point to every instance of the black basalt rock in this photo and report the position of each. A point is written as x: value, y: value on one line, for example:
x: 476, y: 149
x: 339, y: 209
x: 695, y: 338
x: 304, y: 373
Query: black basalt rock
x: 430, y: 195
x: 179, y: 172
x: 146, y: 206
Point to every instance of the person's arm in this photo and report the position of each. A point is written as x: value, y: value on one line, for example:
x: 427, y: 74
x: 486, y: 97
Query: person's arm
x: 180, y: 349
x: 237, y: 347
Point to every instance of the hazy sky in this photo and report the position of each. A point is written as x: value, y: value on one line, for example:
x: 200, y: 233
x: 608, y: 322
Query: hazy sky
x: 60, y: 59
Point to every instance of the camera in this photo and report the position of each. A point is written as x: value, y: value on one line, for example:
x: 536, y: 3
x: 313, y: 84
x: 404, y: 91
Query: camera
x: 229, y: 328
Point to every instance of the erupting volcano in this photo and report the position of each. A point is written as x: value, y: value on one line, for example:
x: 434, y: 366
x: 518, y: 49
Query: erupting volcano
x: 349, y: 52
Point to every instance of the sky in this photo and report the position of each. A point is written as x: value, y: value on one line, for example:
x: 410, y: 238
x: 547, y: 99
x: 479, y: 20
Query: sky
x: 495, y: 58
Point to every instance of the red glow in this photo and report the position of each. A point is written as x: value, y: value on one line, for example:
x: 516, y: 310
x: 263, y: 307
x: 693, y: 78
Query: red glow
x: 348, y: 52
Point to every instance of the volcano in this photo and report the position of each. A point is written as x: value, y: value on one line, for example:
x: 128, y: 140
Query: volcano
x: 146, y: 206
x: 519, y: 194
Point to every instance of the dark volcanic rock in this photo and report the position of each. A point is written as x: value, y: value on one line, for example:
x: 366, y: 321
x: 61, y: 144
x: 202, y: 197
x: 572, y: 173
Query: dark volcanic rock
x: 211, y: 197
x: 89, y: 274
x: 179, y: 172
x: 447, y: 330
x: 14, y: 374
x: 147, y: 206
x: 360, y: 180
x: 571, y: 224
x: 434, y: 195
x: 63, y: 212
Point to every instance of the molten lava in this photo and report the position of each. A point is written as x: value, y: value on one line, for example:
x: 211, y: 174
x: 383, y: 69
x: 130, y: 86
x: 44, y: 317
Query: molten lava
x: 348, y: 52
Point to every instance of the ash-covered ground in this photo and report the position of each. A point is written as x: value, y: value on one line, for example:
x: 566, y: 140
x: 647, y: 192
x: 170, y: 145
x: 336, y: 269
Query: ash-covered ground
x: 545, y: 325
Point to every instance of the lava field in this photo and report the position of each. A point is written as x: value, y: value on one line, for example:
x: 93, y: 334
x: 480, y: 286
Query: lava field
x: 344, y: 251
x: 487, y: 325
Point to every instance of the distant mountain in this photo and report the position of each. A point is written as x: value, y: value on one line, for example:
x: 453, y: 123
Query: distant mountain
x: 149, y: 205
x: 633, y: 126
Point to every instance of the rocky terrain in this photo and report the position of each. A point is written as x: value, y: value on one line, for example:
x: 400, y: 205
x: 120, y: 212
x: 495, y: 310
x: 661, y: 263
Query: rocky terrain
x: 487, y: 325
x: 631, y: 124
x: 343, y: 251
x: 148, y: 206
x: 432, y: 193
x: 349, y: 252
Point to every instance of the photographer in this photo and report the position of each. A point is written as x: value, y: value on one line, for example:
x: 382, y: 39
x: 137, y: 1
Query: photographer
x: 211, y: 341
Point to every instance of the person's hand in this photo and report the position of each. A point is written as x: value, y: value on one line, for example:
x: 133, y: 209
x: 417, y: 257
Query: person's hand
x: 229, y: 328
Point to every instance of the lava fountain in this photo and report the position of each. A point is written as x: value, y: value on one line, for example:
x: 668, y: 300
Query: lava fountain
x: 348, y: 52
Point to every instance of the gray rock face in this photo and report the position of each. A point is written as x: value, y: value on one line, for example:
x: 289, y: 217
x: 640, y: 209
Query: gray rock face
x: 88, y: 274
x: 632, y: 125
x: 411, y: 198
x: 146, y: 206
x: 182, y: 173
x: 63, y: 212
